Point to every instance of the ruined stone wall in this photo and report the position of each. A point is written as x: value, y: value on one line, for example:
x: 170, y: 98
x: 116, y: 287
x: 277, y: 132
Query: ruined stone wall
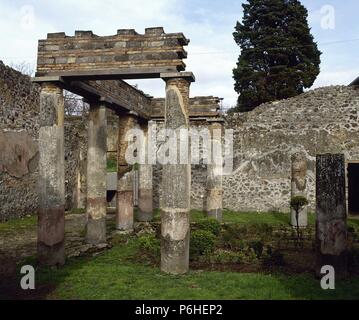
x: 19, y: 100
x: 19, y: 125
x: 324, y: 120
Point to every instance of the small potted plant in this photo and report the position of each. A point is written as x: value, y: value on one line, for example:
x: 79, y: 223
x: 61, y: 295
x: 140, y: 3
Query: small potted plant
x: 297, y: 203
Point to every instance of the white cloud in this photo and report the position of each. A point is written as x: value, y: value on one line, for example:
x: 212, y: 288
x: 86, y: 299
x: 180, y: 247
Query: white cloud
x: 336, y: 77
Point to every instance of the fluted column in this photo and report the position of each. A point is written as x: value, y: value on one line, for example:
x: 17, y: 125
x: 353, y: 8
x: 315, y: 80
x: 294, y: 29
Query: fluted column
x: 96, y: 174
x: 124, y: 207
x: 331, y: 215
x: 145, y: 192
x: 299, y: 188
x: 214, y: 174
x: 176, y: 184
x: 51, y: 214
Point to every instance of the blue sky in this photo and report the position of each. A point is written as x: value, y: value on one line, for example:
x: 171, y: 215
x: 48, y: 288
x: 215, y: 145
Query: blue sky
x: 209, y: 25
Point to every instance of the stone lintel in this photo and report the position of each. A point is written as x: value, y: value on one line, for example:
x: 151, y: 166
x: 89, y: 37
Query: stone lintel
x: 110, y: 92
x: 113, y: 74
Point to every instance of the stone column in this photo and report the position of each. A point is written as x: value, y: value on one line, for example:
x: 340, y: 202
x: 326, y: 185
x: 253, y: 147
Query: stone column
x: 299, y: 187
x: 96, y: 174
x: 214, y: 174
x: 176, y: 185
x: 124, y: 207
x: 331, y: 224
x: 145, y: 202
x: 51, y: 214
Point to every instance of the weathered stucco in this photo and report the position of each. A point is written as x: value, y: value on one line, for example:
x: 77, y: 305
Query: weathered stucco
x: 19, y: 132
x: 324, y: 120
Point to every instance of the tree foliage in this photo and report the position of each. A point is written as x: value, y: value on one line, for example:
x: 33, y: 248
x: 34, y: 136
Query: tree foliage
x: 279, y: 57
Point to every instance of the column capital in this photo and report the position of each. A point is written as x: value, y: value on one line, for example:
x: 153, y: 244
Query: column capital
x: 51, y: 87
x: 189, y: 76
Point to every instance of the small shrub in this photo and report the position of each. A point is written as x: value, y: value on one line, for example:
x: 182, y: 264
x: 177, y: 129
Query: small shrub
x: 257, y: 246
x: 234, y: 231
x: 150, y: 244
x: 273, y: 257
x: 111, y: 165
x: 202, y: 242
x: 225, y: 256
x: 211, y: 225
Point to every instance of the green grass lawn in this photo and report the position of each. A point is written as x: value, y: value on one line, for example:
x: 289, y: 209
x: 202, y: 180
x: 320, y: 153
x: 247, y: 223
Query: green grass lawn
x: 113, y: 276
x: 272, y: 218
x: 18, y: 224
x: 111, y: 165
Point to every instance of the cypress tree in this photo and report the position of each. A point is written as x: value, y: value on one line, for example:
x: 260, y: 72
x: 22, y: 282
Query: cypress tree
x: 279, y: 57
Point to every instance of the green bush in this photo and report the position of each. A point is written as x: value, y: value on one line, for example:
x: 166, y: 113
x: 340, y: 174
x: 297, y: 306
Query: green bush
x: 211, y: 225
x: 202, y: 242
x: 111, y: 165
x: 225, y: 256
x: 273, y: 257
x: 257, y: 247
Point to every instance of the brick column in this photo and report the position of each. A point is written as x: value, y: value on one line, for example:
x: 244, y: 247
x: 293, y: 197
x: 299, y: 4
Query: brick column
x: 176, y: 185
x: 299, y: 187
x: 331, y: 223
x: 51, y: 214
x: 214, y: 174
x: 96, y: 174
x: 124, y: 205
x: 145, y: 194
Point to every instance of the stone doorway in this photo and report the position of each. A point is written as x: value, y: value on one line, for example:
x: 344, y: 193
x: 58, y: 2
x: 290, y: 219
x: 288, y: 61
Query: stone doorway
x: 353, y: 188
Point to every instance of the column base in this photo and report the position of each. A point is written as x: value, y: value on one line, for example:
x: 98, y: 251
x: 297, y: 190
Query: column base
x: 51, y: 255
x: 96, y: 231
x: 175, y: 235
x: 339, y: 263
x: 51, y: 236
x: 145, y: 206
x: 124, y: 214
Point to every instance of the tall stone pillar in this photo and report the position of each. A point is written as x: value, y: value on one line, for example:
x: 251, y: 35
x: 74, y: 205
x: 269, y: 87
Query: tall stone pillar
x: 176, y: 184
x: 51, y: 214
x: 299, y: 187
x: 145, y: 194
x: 215, y: 173
x: 331, y: 224
x: 124, y: 206
x: 96, y: 174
